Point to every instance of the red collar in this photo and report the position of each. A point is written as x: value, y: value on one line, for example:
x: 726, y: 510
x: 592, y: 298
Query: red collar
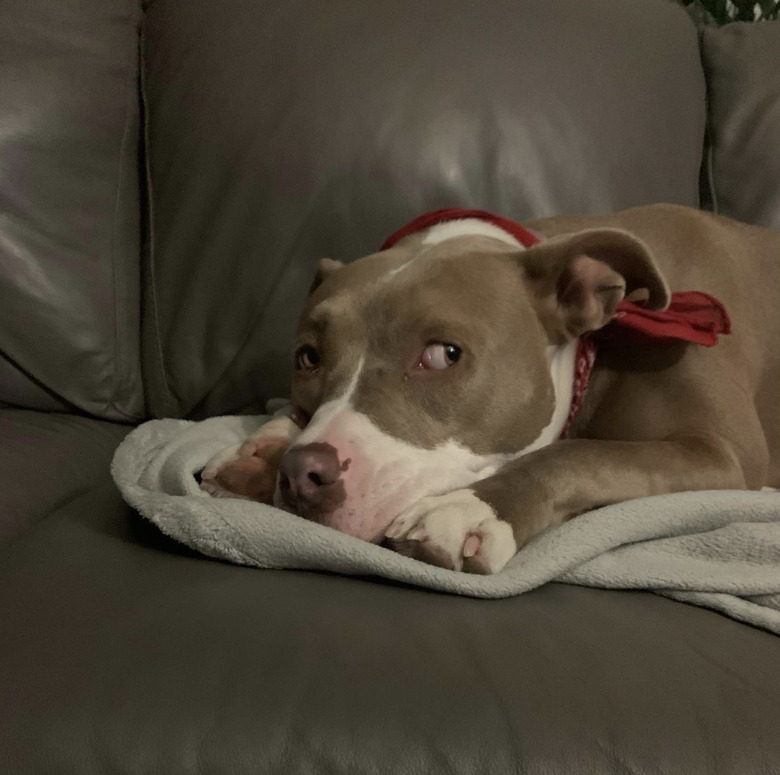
x: 692, y: 316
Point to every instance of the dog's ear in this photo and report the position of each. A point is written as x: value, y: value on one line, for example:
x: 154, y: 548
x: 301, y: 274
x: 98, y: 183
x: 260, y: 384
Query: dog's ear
x: 326, y: 267
x: 577, y: 280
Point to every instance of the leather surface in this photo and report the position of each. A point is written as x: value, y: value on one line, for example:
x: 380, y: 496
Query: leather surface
x: 121, y: 653
x: 69, y: 206
x: 46, y: 460
x: 742, y: 62
x: 283, y: 132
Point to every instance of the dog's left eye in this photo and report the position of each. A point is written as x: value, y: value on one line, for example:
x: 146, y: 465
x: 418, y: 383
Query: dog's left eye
x: 307, y: 358
x: 440, y: 355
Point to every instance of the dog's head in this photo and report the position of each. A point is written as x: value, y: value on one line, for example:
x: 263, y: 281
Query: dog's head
x: 427, y: 366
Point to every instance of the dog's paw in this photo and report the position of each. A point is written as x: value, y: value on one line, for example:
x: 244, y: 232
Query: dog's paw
x: 456, y: 531
x: 216, y: 490
x: 247, y: 470
x: 224, y: 456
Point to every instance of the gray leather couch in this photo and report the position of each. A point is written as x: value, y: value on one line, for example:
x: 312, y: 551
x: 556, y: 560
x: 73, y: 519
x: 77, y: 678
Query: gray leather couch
x: 169, y: 176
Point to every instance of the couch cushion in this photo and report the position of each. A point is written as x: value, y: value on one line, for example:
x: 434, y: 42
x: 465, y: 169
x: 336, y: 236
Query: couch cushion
x: 69, y: 206
x: 742, y: 62
x: 122, y: 653
x: 46, y: 460
x: 282, y: 132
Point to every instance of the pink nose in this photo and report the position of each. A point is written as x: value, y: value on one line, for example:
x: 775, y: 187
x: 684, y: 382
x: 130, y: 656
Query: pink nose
x: 310, y: 480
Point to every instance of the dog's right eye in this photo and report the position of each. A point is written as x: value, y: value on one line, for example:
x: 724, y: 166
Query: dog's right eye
x: 307, y: 358
x: 440, y: 355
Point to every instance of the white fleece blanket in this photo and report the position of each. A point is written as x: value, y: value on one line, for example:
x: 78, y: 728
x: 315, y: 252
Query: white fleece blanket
x: 718, y: 549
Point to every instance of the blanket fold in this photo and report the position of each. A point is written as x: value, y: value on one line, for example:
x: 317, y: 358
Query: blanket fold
x: 717, y: 549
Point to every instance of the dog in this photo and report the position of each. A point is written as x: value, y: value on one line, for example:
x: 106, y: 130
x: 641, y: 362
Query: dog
x: 435, y: 405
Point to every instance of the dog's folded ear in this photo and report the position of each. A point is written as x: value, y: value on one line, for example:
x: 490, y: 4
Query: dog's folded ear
x: 578, y: 280
x: 326, y: 267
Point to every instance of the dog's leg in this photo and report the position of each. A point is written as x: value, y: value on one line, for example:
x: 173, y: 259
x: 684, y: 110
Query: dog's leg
x: 249, y: 470
x: 467, y: 529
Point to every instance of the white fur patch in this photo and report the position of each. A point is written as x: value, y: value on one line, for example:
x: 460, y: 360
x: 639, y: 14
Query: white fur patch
x: 447, y: 521
x: 463, y: 227
x: 562, y: 361
x: 468, y: 227
x: 400, y: 469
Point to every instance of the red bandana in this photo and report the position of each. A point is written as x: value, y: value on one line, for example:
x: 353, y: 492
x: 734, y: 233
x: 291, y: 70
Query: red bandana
x: 692, y: 316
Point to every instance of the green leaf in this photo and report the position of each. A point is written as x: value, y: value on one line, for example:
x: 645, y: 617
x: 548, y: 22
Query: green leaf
x: 769, y: 8
x: 717, y: 12
x: 719, y: 9
x: 745, y: 10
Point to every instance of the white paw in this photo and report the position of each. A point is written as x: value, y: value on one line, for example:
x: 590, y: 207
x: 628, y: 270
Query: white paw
x: 208, y: 481
x: 215, y: 490
x: 225, y: 456
x: 455, y: 530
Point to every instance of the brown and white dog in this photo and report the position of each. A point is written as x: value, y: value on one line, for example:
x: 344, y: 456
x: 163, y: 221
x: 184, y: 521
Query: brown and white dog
x: 435, y: 378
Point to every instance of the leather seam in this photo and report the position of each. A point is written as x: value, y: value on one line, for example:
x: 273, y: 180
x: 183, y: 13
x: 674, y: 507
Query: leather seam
x: 709, y: 130
x: 119, y: 348
x: 150, y: 322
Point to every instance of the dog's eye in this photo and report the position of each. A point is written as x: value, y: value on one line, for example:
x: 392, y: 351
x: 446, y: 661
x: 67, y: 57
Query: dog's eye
x: 440, y: 355
x: 307, y: 358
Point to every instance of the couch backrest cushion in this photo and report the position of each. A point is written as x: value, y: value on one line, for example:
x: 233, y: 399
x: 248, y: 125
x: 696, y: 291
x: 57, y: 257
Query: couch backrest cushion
x: 69, y: 206
x: 282, y: 132
x: 742, y: 62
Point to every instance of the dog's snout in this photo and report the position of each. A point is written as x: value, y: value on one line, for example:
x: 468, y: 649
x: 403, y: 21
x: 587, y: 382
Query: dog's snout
x: 309, y: 478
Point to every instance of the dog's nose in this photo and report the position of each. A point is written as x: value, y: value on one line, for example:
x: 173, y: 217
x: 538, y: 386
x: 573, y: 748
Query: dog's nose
x: 309, y: 478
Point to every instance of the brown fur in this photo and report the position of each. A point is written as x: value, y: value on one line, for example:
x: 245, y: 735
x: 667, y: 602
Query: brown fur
x: 668, y: 418
x: 656, y: 419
